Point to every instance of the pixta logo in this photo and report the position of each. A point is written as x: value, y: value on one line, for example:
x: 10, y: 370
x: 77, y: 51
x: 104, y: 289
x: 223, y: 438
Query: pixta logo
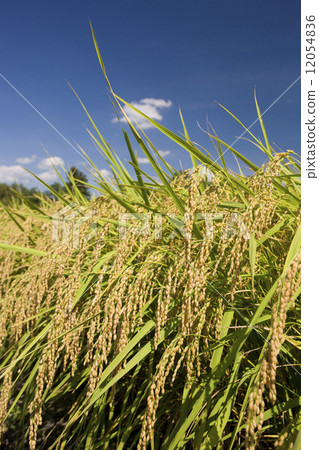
x: 141, y: 224
x: 67, y: 225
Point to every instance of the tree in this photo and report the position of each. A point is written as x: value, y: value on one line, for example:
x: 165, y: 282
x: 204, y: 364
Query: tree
x: 5, y: 193
x: 77, y: 178
x: 58, y: 188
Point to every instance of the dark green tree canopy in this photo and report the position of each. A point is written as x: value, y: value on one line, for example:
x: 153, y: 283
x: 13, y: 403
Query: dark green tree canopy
x: 77, y: 178
x: 8, y: 192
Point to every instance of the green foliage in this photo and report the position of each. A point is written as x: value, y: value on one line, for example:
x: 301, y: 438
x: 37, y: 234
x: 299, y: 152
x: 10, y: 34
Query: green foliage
x: 79, y: 180
x: 7, y: 193
x: 76, y: 182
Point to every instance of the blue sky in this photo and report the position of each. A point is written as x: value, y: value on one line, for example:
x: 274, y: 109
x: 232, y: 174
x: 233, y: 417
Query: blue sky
x: 176, y: 53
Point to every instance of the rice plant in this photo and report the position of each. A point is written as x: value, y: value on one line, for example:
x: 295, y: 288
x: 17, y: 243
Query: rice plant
x: 163, y: 314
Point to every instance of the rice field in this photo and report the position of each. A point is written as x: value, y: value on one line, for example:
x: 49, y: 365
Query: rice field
x: 163, y: 314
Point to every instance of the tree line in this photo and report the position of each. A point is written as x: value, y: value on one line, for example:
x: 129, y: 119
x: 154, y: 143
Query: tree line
x: 8, y: 192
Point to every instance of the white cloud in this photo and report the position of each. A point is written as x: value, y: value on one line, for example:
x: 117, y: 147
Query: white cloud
x: 157, y: 102
x: 150, y: 107
x: 105, y: 173
x: 49, y: 176
x: 204, y: 170
x: 17, y: 174
x: 164, y: 152
x: 143, y: 160
x: 26, y: 159
x: 46, y: 163
x: 14, y: 174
